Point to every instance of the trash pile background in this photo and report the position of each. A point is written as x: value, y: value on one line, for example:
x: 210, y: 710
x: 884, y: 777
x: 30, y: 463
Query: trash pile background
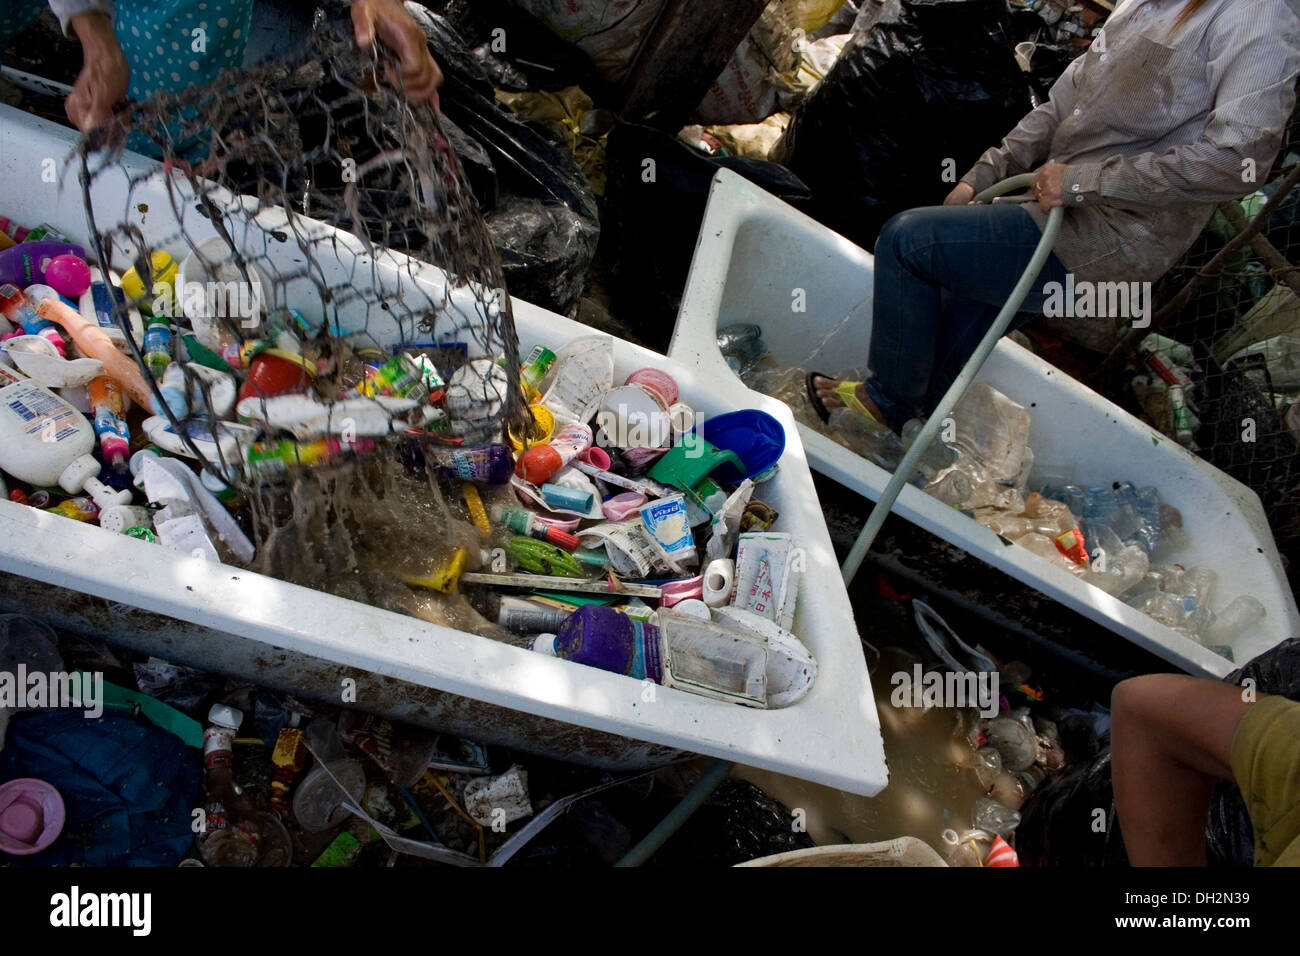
x: 184, y: 767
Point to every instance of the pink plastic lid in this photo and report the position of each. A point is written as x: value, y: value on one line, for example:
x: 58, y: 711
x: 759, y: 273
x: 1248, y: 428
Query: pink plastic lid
x: 31, y: 816
x: 660, y: 384
x: 621, y: 507
x: 596, y: 457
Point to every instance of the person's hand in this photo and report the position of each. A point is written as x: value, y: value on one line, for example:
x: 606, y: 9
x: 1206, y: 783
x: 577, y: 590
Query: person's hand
x: 101, y: 85
x: 962, y: 195
x: 1047, y: 185
x: 419, y: 76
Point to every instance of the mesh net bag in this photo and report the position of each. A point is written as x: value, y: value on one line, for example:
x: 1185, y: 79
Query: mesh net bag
x: 319, y: 367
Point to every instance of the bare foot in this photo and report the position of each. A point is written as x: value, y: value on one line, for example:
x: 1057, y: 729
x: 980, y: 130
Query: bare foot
x: 825, y: 389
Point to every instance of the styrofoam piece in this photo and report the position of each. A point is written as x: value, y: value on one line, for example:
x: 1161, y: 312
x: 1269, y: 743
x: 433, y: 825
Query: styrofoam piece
x: 754, y: 257
x: 832, y: 736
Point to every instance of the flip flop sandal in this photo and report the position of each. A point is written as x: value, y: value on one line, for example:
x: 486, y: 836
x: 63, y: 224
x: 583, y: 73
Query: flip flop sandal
x: 848, y: 394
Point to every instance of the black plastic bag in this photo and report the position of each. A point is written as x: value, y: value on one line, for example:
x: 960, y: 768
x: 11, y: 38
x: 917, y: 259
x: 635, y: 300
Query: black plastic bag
x: 537, y: 203
x: 923, y: 87
x: 1230, y: 839
x: 1056, y: 826
x: 655, y: 193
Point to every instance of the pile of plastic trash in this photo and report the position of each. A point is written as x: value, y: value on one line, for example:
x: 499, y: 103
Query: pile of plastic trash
x: 112, y: 758
x: 624, y: 528
x: 982, y: 464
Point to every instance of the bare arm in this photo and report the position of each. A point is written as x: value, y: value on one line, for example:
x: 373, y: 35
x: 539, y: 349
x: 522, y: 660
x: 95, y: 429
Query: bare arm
x: 1171, y: 739
x: 1028, y: 144
x: 102, y: 82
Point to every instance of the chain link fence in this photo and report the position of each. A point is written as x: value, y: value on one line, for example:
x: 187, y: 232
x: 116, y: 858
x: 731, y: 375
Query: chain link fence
x: 1218, y: 368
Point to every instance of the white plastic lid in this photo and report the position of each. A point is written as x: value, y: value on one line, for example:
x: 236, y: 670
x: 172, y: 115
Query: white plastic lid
x: 78, y: 471
x: 544, y: 644
x: 223, y: 715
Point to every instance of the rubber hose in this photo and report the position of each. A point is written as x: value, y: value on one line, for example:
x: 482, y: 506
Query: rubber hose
x: 907, y: 466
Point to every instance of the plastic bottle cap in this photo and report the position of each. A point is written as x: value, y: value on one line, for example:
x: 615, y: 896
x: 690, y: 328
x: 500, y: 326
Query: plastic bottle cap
x: 78, y: 471
x: 544, y: 644
x: 223, y: 715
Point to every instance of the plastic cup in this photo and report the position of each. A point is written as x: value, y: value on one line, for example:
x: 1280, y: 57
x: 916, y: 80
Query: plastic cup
x: 660, y: 384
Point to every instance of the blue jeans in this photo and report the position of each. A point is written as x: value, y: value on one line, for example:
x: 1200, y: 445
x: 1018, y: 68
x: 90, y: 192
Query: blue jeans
x: 942, y: 275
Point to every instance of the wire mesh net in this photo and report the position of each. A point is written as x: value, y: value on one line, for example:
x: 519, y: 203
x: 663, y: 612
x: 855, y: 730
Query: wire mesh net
x: 289, y: 329
x: 1219, y: 368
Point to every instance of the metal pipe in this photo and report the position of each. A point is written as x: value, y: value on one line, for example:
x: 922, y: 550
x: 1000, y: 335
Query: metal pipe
x: 670, y: 824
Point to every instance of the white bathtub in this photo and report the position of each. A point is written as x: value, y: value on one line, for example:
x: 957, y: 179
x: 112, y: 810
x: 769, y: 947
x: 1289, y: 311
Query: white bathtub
x: 282, y: 635
x: 754, y: 251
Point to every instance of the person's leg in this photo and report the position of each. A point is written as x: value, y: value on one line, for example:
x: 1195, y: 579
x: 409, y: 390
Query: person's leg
x: 1171, y: 739
x: 963, y: 324
x: 973, y: 253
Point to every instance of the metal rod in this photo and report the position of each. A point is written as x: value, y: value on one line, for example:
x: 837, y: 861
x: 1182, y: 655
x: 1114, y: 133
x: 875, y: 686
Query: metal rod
x: 679, y: 814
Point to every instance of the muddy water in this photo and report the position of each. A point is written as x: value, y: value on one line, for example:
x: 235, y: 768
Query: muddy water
x: 932, y: 781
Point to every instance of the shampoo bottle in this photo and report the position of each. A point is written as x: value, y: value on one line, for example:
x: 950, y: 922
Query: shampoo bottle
x: 45, y: 441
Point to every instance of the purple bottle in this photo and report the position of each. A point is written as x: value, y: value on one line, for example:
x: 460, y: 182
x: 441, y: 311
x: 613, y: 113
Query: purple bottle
x: 484, y: 464
x: 683, y: 652
x: 605, y: 638
x: 24, y: 264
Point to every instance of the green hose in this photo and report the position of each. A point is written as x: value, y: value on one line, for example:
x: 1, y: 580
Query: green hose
x: 907, y: 466
x: 679, y: 814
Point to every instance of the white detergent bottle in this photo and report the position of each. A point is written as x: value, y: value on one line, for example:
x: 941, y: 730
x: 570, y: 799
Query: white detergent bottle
x: 45, y: 441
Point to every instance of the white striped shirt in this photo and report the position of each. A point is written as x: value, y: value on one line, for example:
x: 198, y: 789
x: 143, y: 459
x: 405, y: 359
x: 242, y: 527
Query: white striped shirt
x: 1156, y: 128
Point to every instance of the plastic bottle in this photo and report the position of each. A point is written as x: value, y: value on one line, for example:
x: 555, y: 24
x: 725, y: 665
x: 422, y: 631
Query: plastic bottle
x: 272, y: 460
x: 522, y: 521
x: 528, y: 617
x: 119, y: 518
x: 541, y: 463
x: 101, y: 305
x: 25, y: 263
x: 1185, y: 422
x: 45, y: 441
x: 483, y: 464
x: 164, y: 269
x: 18, y: 309
x: 683, y: 652
x: 534, y: 370
x: 80, y: 508
x: 223, y: 492
x: 936, y: 458
x: 227, y: 838
x: 110, y: 422
x: 1244, y: 613
x: 158, y: 347
x: 175, y: 392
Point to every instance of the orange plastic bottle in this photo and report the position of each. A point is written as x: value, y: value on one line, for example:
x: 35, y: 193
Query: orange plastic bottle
x: 541, y: 463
